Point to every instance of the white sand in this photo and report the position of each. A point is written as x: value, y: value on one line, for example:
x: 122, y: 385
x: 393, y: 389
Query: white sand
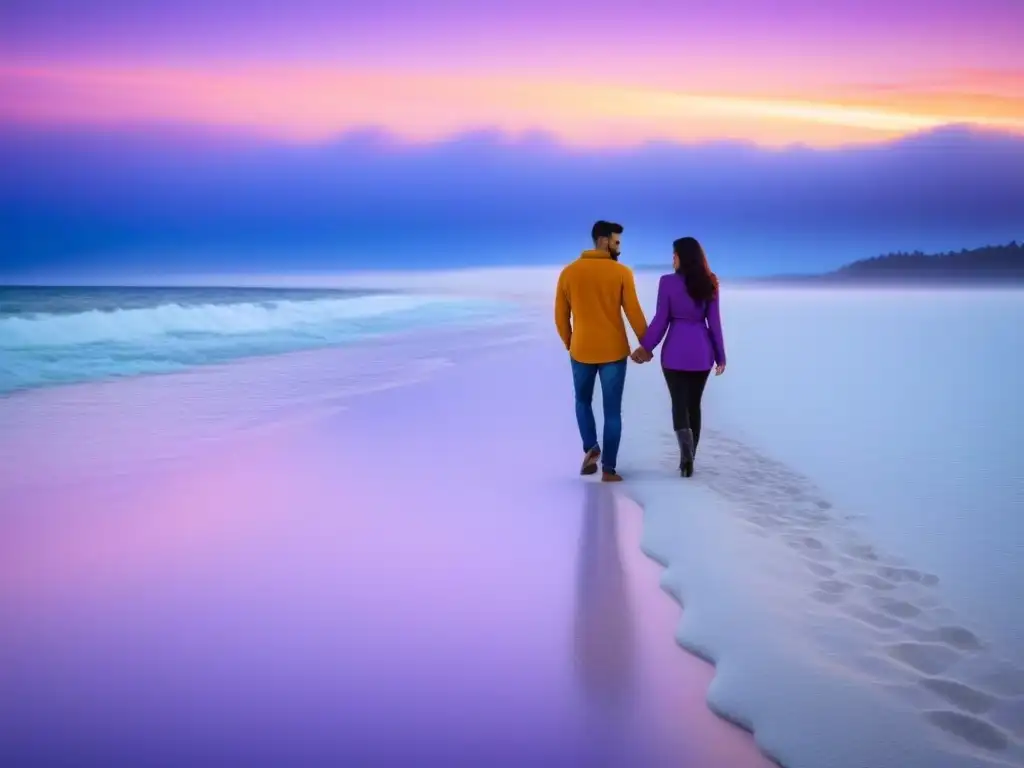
x: 835, y: 651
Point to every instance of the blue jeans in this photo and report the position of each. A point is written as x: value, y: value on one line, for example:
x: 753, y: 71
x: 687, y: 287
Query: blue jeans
x: 613, y: 380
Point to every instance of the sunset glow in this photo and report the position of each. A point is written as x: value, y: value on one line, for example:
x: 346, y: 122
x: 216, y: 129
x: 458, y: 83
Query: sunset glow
x: 318, y: 104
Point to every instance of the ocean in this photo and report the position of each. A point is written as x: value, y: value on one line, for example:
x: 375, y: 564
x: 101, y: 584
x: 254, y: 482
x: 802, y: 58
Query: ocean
x: 62, y: 335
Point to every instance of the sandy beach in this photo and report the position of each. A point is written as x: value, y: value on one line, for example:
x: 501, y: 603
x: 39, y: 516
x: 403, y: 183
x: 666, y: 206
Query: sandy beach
x: 382, y: 553
x: 406, y: 574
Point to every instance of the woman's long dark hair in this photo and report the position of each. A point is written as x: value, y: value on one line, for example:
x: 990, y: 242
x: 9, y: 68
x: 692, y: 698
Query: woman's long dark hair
x: 701, y: 282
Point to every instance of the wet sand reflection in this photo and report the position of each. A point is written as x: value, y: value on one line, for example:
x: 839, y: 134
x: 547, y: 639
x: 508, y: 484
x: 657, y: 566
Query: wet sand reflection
x: 283, y: 601
x: 603, y: 631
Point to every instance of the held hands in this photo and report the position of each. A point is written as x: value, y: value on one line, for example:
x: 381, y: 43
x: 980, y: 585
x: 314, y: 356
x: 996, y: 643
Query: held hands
x: 641, y: 355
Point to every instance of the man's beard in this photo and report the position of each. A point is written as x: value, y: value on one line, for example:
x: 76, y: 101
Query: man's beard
x: 614, y: 254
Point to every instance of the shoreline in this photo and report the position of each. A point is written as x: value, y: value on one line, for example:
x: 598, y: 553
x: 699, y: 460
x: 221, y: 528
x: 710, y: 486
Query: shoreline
x: 660, y: 566
x: 502, y: 327
x: 754, y: 549
x: 158, y: 527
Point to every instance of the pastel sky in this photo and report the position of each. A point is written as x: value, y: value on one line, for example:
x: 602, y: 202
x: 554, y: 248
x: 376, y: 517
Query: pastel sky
x: 151, y: 134
x: 591, y: 73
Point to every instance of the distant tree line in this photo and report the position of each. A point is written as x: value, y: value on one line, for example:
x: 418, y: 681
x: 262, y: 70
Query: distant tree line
x: 986, y: 262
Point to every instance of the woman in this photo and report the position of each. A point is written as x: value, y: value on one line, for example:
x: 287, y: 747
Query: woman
x: 688, y: 310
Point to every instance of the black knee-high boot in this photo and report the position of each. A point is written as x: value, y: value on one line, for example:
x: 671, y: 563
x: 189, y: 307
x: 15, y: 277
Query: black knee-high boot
x: 685, y: 439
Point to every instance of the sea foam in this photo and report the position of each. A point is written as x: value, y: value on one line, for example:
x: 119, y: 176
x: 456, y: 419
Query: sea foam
x: 51, y: 348
x: 314, y: 317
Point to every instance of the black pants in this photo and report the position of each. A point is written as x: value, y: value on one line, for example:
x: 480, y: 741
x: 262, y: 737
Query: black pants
x: 686, y: 389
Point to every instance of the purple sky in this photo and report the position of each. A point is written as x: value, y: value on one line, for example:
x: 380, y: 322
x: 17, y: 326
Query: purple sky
x: 254, y: 99
x: 227, y: 29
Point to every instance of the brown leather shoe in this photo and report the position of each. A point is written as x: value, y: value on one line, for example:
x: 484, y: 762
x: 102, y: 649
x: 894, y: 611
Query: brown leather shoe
x: 589, y: 465
x: 611, y: 477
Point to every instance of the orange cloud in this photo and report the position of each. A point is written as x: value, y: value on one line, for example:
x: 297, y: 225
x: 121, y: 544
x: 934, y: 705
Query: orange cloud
x: 316, y: 104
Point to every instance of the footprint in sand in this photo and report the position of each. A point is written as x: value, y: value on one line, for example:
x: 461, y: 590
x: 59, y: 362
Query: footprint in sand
x: 901, y: 609
x: 873, y: 618
x: 959, y: 695
x: 874, y: 582
x: 900, y: 575
x: 861, y: 552
x: 809, y: 546
x: 960, y: 638
x: 929, y: 658
x: 819, y: 569
x: 970, y: 729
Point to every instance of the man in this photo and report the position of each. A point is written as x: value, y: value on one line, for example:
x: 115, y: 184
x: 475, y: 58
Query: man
x: 591, y: 294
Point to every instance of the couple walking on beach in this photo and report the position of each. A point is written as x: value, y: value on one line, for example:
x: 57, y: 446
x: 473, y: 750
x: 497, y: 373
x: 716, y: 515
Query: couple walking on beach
x: 591, y: 295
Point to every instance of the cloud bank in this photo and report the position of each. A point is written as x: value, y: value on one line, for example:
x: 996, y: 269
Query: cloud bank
x: 159, y: 200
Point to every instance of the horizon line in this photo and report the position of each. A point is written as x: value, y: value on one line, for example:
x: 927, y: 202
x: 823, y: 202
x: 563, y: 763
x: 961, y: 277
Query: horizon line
x: 168, y: 280
x: 384, y: 138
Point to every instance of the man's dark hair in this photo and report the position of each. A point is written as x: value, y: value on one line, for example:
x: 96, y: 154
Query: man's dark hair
x: 604, y: 229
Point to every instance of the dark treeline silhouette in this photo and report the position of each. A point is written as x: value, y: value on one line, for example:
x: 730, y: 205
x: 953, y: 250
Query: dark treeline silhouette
x: 994, y: 260
x: 989, y: 264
